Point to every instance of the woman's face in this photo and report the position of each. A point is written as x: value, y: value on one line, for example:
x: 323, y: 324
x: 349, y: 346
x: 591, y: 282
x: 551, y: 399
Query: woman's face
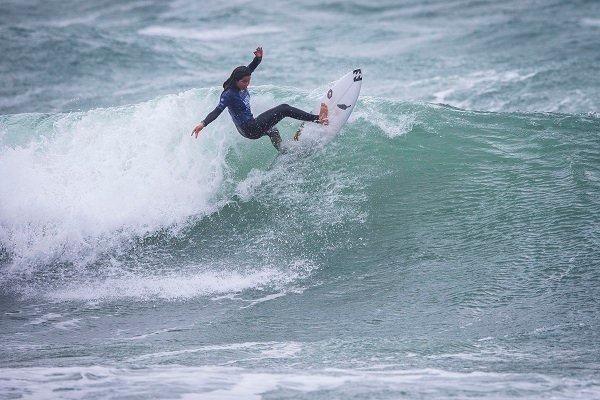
x: 243, y: 83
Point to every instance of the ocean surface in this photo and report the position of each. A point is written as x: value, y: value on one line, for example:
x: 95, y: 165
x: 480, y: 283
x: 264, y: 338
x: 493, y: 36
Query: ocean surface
x: 446, y: 244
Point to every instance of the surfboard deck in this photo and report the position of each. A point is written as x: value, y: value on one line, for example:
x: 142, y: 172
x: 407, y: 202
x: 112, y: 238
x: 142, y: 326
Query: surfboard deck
x: 340, y: 98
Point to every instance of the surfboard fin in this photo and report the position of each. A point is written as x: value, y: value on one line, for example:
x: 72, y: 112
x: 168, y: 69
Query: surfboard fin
x: 298, y: 132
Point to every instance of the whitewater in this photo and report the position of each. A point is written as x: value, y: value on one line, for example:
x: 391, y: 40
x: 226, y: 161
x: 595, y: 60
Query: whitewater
x: 444, y: 245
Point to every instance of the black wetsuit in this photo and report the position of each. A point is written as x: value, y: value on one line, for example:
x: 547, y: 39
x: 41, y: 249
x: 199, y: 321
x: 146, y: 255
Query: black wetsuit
x: 238, y: 104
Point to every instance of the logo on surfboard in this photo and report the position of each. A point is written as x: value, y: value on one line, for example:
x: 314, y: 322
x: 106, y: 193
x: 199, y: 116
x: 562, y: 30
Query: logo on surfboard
x: 357, y: 75
x: 344, y: 106
x: 329, y: 93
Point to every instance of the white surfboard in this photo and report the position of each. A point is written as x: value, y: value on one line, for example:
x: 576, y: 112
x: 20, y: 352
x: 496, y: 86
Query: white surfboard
x: 340, y: 98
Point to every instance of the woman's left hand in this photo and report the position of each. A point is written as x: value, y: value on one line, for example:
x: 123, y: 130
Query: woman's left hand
x: 258, y: 52
x: 197, y: 129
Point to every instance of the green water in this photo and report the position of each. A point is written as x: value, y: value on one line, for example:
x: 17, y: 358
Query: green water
x: 444, y: 245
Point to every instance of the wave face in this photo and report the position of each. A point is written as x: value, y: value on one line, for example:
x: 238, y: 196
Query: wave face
x: 444, y: 244
x: 473, y: 231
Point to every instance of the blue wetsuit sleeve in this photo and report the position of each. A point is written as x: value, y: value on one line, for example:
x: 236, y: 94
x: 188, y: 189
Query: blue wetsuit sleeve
x: 252, y: 66
x: 217, y: 111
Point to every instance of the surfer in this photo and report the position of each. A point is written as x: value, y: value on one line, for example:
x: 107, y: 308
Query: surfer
x: 236, y: 99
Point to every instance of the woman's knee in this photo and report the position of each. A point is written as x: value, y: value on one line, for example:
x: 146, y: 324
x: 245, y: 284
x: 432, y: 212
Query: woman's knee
x: 284, y: 107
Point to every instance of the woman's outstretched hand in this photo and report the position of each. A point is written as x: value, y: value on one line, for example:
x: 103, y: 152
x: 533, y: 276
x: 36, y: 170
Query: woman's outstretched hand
x: 197, y: 129
x: 258, y: 52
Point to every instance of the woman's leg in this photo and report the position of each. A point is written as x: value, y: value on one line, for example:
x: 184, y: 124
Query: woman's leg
x: 271, y: 117
x: 265, y: 121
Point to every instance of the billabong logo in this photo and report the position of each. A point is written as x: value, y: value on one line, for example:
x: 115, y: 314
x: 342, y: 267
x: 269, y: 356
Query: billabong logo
x: 330, y: 94
x: 343, y: 106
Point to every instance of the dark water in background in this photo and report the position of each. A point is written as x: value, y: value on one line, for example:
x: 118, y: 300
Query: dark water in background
x: 445, y: 244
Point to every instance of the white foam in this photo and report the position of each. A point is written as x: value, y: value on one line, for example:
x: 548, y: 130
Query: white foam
x: 154, y: 333
x: 68, y: 325
x: 461, y: 90
x: 174, y: 286
x: 102, y: 176
x: 593, y: 22
x: 250, y: 351
x: 393, y: 124
x: 227, y: 33
x: 212, y: 382
x: 246, y: 188
x: 45, y: 318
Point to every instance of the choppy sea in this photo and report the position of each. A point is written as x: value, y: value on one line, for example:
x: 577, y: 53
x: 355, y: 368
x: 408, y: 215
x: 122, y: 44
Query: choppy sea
x: 446, y: 244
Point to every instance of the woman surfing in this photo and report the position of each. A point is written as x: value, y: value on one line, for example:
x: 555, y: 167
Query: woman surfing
x: 236, y: 99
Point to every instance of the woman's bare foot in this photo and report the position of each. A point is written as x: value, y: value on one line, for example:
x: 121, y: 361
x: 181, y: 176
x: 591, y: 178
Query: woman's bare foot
x: 323, y: 114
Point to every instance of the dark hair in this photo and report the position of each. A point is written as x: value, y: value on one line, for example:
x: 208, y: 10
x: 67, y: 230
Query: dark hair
x: 236, y: 75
